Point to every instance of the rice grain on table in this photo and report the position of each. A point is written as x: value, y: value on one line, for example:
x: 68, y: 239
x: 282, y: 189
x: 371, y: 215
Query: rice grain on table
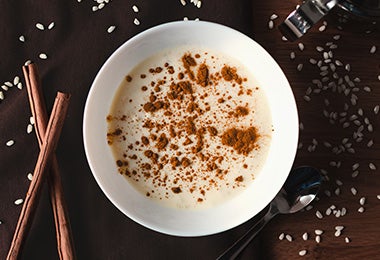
x: 354, y: 191
x: 289, y: 237
x: 111, y: 28
x: 281, y: 236
x: 136, y: 9
x: 1, y: 95
x: 51, y: 25
x: 319, y: 214
x: 40, y: 26
x: 18, y: 201
x: 270, y: 24
x: 372, y: 166
x: 9, y: 143
x: 347, y: 240
x: 273, y: 16
x: 29, y: 128
x: 21, y: 38
x: 30, y: 176
x: 302, y: 252
x: 136, y: 21
x: 301, y: 46
x: 362, y: 201
x: 318, y: 239
x: 361, y: 209
x: 43, y: 56
x: 305, y: 236
x: 378, y: 197
x: 318, y: 232
x: 373, y: 49
x: 183, y: 2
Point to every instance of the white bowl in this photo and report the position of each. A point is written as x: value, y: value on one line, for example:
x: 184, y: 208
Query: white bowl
x: 233, y: 212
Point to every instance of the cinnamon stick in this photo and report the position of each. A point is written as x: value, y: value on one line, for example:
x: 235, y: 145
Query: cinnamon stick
x: 65, y: 243
x: 49, y: 145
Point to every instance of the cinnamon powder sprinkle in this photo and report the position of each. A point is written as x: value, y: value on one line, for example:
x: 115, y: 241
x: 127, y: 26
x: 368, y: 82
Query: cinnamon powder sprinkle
x: 180, y: 140
x: 241, y: 140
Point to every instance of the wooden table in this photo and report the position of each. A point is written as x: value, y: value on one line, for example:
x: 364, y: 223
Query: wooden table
x: 79, y: 44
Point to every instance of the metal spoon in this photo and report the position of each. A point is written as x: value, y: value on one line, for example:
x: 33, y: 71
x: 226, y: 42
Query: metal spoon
x: 299, y: 190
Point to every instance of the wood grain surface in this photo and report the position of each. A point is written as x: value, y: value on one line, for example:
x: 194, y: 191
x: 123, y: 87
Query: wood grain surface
x: 362, y: 229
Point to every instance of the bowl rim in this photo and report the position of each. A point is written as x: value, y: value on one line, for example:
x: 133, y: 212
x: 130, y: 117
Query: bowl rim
x: 86, y: 124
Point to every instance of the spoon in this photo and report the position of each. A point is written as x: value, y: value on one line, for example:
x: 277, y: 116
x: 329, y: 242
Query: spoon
x: 299, y: 190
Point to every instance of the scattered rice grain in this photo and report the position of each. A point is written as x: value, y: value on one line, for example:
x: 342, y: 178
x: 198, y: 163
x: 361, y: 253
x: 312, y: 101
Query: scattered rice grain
x: 42, y: 56
x: 29, y: 128
x: 40, y: 26
x: 289, y: 238
x: 347, y: 240
x: 302, y: 252
x: 362, y: 201
x: 318, y: 232
x: 18, y: 201
x: 111, y: 28
x: 270, y: 24
x: 136, y: 21
x: 9, y: 143
x: 30, y: 176
x: 301, y: 46
x: 281, y: 236
x: 51, y: 25
x: 136, y: 9
x: 372, y: 166
x: 361, y: 210
x: 373, y: 49
x: 319, y: 214
x: 305, y: 236
x: 22, y: 38
x: 318, y: 239
x: 354, y: 191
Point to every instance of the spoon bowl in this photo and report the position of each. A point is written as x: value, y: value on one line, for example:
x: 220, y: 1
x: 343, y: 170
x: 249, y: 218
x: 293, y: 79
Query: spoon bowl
x: 300, y: 188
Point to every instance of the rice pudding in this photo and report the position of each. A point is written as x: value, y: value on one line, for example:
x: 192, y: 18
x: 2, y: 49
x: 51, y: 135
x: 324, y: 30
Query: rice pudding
x: 189, y: 127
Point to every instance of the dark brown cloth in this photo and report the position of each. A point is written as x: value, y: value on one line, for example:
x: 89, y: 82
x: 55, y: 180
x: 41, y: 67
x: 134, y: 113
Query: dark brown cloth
x: 76, y: 47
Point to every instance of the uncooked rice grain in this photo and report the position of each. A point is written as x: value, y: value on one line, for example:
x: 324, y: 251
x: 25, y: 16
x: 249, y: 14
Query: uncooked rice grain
x: 42, y: 56
x: 270, y: 24
x: 111, y: 28
x: 51, y: 25
x: 18, y: 201
x: 136, y: 9
x: 362, y: 201
x: 305, y: 236
x: 318, y: 239
x: 30, y: 176
x: 281, y: 236
x: 354, y: 191
x: 373, y: 49
x: 301, y: 46
x: 319, y: 214
x: 273, y: 16
x: 302, y: 252
x: 318, y: 232
x: 40, y: 26
x: 289, y: 238
x: 22, y: 38
x: 136, y: 21
x: 29, y: 128
x: 9, y: 143
x: 347, y: 240
x: 361, y: 210
x: 372, y: 166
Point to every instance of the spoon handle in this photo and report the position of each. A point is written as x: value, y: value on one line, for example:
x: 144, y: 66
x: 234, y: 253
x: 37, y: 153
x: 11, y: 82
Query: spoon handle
x: 242, y: 243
